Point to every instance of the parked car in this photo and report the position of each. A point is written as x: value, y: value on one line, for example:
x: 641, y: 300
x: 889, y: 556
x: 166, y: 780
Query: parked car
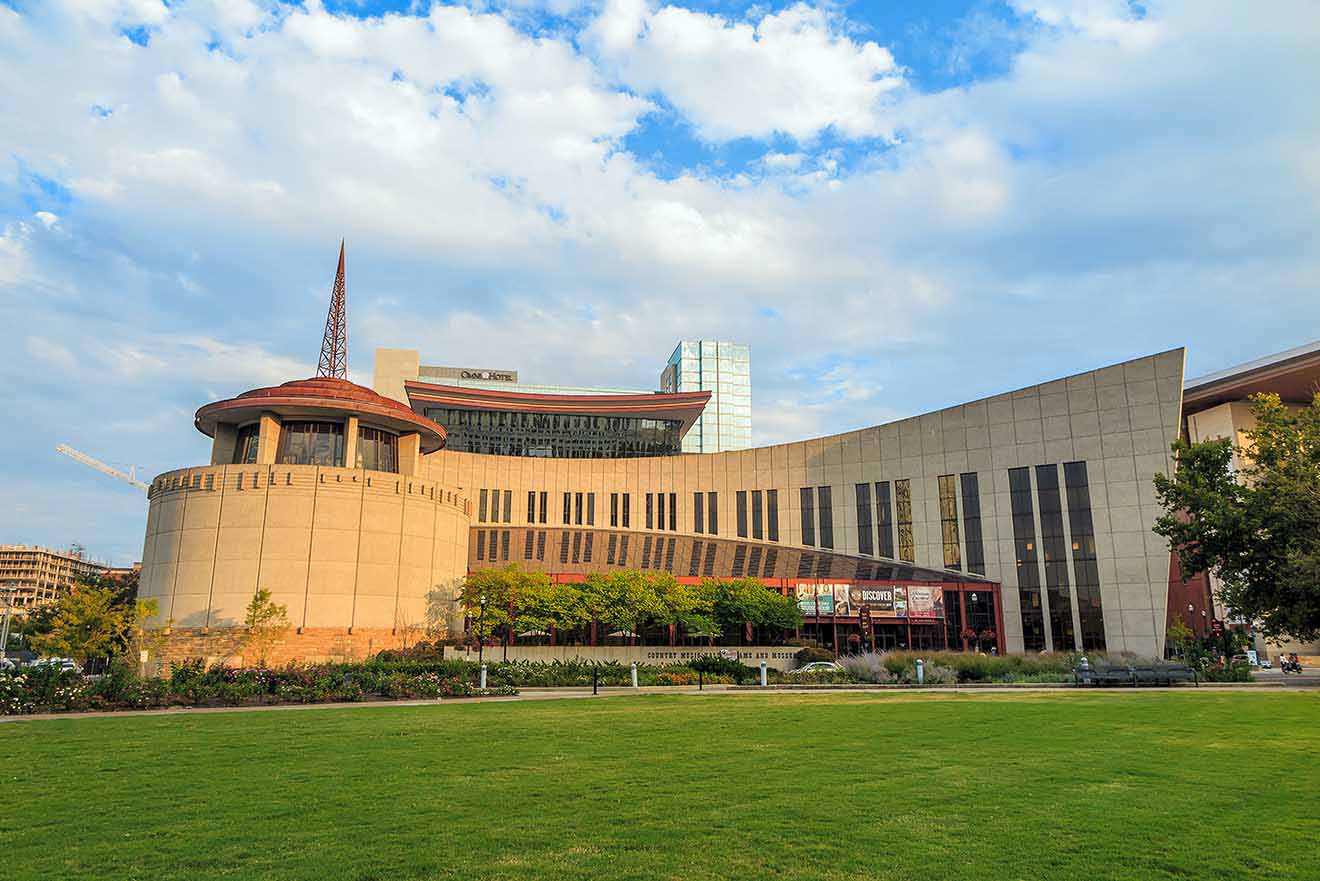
x: 816, y: 667
x: 59, y: 663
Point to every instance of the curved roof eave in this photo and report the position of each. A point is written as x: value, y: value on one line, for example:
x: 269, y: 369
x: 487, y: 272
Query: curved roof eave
x: 321, y: 396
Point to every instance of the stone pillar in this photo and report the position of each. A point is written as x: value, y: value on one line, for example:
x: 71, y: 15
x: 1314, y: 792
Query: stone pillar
x: 393, y: 368
x: 410, y: 454
x: 269, y: 440
x: 350, y: 442
x: 222, y: 448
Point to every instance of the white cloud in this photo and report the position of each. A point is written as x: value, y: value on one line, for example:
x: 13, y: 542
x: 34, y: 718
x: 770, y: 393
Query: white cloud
x: 1117, y: 21
x: 53, y: 354
x: 1127, y: 184
x: 795, y: 71
x: 15, y: 264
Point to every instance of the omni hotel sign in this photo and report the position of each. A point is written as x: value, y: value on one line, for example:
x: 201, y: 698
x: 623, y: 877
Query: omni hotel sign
x: 488, y: 375
x: 479, y: 374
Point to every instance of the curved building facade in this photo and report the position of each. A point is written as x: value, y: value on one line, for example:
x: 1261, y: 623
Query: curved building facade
x: 1022, y: 519
x: 352, y: 552
x: 1043, y: 495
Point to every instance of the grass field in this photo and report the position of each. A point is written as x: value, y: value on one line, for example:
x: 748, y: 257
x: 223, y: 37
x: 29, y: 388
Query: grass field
x: 1145, y: 786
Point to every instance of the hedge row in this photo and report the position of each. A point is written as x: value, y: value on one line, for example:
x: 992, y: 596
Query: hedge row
x: 31, y: 690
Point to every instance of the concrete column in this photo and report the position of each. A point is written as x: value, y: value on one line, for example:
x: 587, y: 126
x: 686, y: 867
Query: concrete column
x: 350, y: 442
x: 268, y: 443
x: 394, y: 367
x: 410, y: 454
x: 222, y: 448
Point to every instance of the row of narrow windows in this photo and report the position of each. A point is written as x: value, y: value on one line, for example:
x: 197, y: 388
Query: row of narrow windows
x: 662, y: 553
x: 489, y: 509
x: 661, y: 511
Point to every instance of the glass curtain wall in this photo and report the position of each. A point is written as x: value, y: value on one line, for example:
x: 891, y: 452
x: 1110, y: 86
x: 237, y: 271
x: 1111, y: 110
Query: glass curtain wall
x: 556, y: 435
x: 907, y: 549
x: 1024, y: 547
x: 1062, y: 635
x: 949, y: 521
x: 1085, y: 569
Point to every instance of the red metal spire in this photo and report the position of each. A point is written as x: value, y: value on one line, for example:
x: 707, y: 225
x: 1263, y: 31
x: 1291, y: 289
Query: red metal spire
x: 334, y: 345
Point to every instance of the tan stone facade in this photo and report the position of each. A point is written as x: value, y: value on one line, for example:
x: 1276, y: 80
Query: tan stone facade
x: 349, y: 549
x: 345, y: 550
x: 1119, y: 420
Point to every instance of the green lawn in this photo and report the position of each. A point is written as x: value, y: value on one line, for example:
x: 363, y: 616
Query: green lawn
x: 1141, y: 786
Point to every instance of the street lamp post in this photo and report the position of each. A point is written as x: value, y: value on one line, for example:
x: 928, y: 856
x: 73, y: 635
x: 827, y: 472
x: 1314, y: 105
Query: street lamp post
x: 481, y: 630
x: 4, y: 629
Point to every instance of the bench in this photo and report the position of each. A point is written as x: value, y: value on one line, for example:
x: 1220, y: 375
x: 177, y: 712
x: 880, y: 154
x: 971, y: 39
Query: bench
x: 1117, y: 674
x: 1165, y: 674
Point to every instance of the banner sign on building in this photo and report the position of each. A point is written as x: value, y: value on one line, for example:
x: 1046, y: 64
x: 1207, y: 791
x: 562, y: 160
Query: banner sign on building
x: 925, y: 602
x: 843, y: 600
x: 880, y: 600
x: 884, y: 602
x: 825, y: 599
x: 812, y: 603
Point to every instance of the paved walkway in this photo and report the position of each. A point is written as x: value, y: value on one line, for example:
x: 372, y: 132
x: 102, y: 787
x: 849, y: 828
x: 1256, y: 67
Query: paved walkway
x: 570, y: 693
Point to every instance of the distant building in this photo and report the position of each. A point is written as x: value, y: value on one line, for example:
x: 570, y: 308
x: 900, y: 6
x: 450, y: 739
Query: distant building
x: 723, y: 369
x: 32, y: 576
x: 1218, y: 406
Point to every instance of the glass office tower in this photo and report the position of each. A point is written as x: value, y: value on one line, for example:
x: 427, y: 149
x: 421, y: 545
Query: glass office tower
x: 723, y: 369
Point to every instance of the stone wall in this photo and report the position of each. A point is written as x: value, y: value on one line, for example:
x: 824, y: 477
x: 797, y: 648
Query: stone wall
x: 226, y: 646
x: 778, y: 657
x: 343, y: 549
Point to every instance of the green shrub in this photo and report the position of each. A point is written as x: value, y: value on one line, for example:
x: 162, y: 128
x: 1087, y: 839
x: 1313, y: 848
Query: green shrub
x: 938, y: 674
x: 717, y: 665
x: 814, y: 653
x: 816, y: 677
x: 1233, y: 672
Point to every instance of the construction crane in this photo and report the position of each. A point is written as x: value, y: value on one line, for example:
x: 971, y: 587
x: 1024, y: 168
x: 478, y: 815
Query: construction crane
x: 129, y: 476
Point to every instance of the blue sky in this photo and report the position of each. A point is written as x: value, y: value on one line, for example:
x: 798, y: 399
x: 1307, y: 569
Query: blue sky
x: 899, y: 205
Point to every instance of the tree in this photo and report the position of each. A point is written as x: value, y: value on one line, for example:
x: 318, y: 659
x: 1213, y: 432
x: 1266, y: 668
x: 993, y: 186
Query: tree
x: 90, y: 621
x: 744, y: 601
x: 495, y: 586
x: 539, y: 604
x: 266, y: 622
x: 1180, y: 636
x: 1258, y: 528
x: 626, y: 600
x: 146, y: 639
x: 692, y: 607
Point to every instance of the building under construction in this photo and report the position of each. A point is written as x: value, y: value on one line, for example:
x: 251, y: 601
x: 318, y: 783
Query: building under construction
x: 31, y: 576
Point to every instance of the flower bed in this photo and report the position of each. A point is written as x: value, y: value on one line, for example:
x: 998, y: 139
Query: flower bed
x: 405, y: 676
x: 189, y: 685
